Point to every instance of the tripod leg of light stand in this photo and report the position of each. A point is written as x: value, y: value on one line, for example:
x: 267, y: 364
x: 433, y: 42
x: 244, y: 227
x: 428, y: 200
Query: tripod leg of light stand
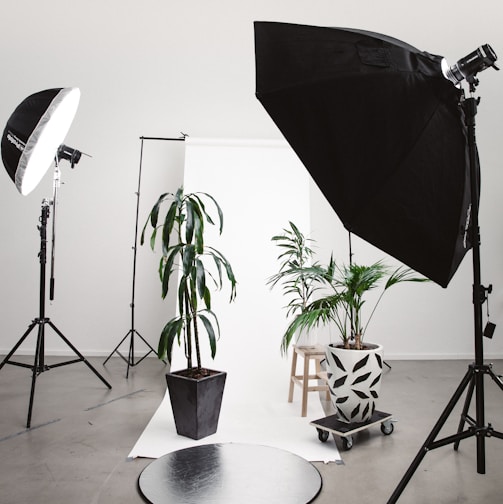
x: 130, y: 361
x: 430, y: 440
x: 497, y: 379
x: 34, y: 368
x: 17, y: 345
x: 131, y: 351
x: 37, y: 368
x: 464, y: 414
x: 151, y: 349
x: 115, y: 350
x: 81, y: 357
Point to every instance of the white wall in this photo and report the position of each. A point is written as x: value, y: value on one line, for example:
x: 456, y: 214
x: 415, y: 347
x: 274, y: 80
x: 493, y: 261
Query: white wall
x: 159, y: 67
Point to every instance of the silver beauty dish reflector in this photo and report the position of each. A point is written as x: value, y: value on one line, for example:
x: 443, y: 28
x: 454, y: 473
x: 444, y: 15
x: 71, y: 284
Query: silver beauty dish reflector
x: 35, y: 132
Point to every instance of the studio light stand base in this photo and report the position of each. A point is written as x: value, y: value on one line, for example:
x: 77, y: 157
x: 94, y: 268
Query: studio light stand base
x: 39, y: 366
x: 130, y: 360
x: 472, y: 380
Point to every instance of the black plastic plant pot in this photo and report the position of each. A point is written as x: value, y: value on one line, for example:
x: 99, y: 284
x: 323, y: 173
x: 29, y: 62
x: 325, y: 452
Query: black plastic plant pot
x: 196, y: 402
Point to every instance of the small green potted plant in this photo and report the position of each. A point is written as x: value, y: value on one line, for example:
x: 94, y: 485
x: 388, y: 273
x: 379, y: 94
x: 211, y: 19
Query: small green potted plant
x: 192, y: 268
x: 354, y: 366
x: 299, y: 276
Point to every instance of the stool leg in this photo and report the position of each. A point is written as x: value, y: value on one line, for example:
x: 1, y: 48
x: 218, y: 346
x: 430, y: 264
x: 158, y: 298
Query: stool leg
x: 292, y: 374
x: 305, y: 384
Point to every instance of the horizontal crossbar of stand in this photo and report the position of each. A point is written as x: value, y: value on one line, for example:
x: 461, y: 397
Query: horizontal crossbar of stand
x: 455, y: 438
x: 45, y: 367
x: 131, y: 362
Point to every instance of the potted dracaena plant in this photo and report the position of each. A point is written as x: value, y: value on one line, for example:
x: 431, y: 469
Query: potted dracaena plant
x: 191, y: 268
x: 354, y: 367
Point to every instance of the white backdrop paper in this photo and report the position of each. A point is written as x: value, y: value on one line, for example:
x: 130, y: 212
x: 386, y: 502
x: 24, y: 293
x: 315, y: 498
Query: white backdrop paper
x: 260, y: 186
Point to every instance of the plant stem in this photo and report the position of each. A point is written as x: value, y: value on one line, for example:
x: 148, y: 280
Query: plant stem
x: 196, y: 340
x: 188, y: 353
x: 358, y: 341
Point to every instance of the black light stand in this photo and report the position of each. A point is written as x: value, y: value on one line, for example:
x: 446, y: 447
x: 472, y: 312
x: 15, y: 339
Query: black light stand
x: 130, y: 360
x: 474, y: 377
x: 39, y: 365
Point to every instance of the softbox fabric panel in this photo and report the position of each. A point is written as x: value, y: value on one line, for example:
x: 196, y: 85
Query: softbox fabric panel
x: 381, y: 132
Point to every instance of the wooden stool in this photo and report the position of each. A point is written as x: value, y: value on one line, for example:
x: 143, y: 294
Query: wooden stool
x: 317, y: 353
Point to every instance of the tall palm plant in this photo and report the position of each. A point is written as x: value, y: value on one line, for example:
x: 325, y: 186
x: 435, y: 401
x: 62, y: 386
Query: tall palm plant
x: 184, y: 253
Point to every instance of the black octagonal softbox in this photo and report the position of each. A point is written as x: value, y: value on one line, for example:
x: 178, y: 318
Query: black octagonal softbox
x: 379, y: 127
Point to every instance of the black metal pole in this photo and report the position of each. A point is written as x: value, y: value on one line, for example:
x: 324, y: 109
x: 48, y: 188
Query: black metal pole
x: 130, y: 361
x: 479, y: 292
x: 38, y: 364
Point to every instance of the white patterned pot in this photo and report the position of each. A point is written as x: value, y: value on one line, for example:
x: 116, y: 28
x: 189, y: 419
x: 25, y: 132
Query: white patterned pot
x: 354, y: 379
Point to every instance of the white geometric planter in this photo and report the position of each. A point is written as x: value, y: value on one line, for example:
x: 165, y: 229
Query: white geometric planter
x: 354, y: 380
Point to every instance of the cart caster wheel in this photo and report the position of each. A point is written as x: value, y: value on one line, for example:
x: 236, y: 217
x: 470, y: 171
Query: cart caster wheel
x: 322, y: 435
x: 387, y: 428
x: 347, y: 443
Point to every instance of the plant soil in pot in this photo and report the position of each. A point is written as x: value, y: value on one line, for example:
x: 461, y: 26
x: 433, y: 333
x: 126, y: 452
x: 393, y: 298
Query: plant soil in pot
x: 196, y: 401
x: 354, y: 379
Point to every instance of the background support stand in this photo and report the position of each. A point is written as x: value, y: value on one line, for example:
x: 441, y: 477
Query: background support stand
x: 130, y: 360
x: 474, y: 377
x: 39, y: 365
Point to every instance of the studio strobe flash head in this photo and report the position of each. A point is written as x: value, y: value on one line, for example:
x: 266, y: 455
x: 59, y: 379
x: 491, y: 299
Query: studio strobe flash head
x: 72, y: 155
x: 467, y: 67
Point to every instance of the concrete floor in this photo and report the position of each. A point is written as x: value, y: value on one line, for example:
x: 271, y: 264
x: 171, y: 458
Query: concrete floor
x: 76, y: 451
